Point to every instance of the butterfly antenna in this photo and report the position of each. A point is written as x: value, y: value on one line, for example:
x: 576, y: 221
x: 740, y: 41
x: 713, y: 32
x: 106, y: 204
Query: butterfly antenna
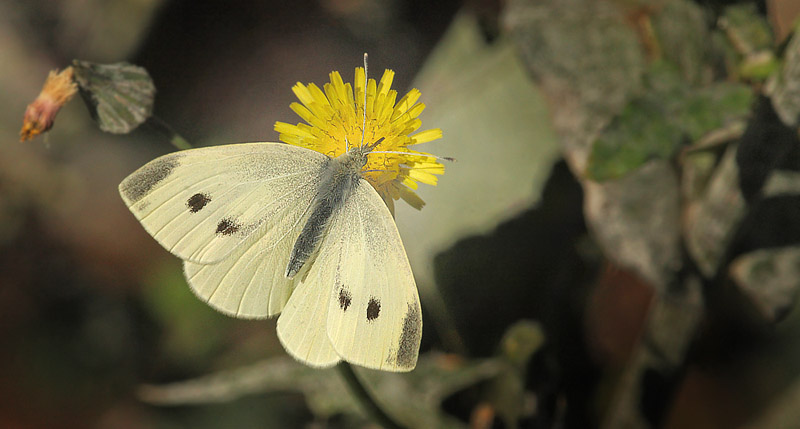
x: 425, y: 155
x: 364, y: 116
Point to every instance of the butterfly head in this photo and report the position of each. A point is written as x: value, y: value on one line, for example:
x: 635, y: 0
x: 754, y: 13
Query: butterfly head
x: 357, y: 158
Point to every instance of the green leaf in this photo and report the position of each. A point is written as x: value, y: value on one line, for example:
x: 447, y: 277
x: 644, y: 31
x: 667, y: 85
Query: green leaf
x: 119, y: 96
x: 746, y: 28
x: 769, y: 278
x: 712, y: 107
x: 587, y: 59
x: 782, y: 182
x: 711, y: 221
x: 521, y: 341
x: 636, y: 221
x: 506, y: 392
x: 656, y: 124
x: 492, y: 100
x: 749, y: 35
x: 683, y: 36
x: 784, y: 86
x: 642, y: 132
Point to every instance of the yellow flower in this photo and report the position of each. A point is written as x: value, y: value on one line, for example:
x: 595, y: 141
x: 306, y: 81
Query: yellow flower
x: 334, y: 124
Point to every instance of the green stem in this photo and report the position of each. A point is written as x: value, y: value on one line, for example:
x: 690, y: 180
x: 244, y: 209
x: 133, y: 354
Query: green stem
x: 365, y: 398
x: 161, y: 127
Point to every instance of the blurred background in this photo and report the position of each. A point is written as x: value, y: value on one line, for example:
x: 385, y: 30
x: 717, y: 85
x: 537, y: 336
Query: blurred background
x: 617, y: 244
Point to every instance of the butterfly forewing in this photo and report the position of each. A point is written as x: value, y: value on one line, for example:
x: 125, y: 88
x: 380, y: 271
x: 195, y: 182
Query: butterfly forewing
x: 201, y: 204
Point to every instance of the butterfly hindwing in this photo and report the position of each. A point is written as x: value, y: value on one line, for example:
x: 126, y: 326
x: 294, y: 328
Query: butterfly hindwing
x: 250, y: 283
x: 201, y: 204
x: 301, y: 325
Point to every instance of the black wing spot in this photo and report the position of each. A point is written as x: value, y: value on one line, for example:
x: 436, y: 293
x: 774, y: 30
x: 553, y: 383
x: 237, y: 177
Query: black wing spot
x: 345, y: 298
x: 197, y: 201
x: 227, y: 226
x: 145, y: 179
x: 408, y: 349
x: 373, y: 309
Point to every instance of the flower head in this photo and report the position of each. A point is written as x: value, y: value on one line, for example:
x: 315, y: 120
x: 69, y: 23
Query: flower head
x: 39, y: 116
x: 335, y: 120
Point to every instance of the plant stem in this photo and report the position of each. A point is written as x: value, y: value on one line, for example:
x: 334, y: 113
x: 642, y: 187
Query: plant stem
x: 366, y: 400
x: 161, y: 127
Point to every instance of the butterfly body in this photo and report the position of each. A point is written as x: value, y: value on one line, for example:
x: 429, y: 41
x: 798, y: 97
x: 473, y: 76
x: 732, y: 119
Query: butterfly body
x: 269, y: 228
x: 338, y: 180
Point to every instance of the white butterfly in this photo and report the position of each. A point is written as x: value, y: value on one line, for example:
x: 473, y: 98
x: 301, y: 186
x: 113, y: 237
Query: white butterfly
x: 269, y: 228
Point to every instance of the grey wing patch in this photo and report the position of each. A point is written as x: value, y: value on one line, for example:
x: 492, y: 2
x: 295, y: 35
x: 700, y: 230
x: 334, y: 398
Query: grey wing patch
x: 345, y: 298
x: 140, y: 183
x: 197, y: 201
x: 227, y: 226
x: 373, y: 309
x: 409, y: 339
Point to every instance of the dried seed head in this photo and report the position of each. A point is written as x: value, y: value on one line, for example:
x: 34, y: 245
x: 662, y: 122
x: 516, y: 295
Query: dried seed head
x: 58, y: 89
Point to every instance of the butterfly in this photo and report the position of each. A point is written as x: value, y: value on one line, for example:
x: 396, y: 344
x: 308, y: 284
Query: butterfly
x: 271, y: 228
